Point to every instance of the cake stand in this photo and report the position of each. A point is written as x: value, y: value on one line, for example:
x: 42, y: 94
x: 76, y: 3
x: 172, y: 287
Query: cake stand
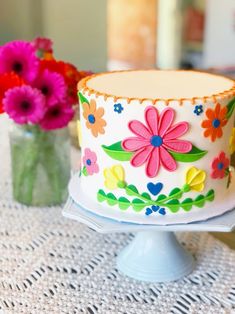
x: 154, y: 255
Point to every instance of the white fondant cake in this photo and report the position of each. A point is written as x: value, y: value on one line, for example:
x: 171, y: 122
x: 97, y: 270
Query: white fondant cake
x: 156, y: 145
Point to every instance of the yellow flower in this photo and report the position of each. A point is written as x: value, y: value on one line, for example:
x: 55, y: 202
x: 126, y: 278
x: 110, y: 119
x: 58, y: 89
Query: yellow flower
x: 195, y: 179
x: 232, y: 142
x: 114, y: 177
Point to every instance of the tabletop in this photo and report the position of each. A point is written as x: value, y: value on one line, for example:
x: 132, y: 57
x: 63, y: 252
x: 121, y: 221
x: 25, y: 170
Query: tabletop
x: 50, y: 264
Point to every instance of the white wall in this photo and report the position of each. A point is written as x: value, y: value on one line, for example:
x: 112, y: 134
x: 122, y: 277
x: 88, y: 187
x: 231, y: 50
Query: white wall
x: 219, y: 43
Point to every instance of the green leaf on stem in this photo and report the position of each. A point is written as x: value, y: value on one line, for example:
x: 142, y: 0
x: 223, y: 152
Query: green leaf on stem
x: 115, y: 151
x: 230, y: 108
x: 194, y: 154
x: 82, y: 98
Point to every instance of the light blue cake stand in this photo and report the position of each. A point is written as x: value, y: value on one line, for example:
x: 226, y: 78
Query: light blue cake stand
x: 154, y: 255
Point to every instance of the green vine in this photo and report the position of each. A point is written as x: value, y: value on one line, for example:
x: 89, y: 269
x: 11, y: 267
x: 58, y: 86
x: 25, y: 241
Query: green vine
x: 142, y: 200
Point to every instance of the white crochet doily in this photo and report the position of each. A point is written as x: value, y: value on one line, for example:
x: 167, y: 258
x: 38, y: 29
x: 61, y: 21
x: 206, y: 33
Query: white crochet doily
x: 49, y: 264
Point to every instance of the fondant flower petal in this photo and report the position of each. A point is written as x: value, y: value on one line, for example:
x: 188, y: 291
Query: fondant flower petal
x: 99, y: 112
x: 167, y: 160
x: 178, y: 146
x: 177, y: 130
x: 210, y: 114
x: 198, y: 178
x: 198, y: 187
x: 134, y: 143
x: 92, y: 106
x: 86, y: 110
x: 153, y: 163
x: 190, y: 174
x: 139, y: 129
x: 165, y: 120
x: 206, y: 124
x: 151, y: 117
x: 141, y: 156
x: 119, y: 172
x: 217, y: 110
x: 110, y: 179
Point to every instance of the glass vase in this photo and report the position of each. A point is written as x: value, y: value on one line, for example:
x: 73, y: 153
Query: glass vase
x: 40, y: 165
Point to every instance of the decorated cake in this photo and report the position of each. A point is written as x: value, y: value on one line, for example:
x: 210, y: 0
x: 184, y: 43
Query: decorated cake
x: 156, y: 145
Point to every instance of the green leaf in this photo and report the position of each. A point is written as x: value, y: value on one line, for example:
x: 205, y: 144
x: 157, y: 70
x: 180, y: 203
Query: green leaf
x: 131, y: 190
x: 199, y: 201
x: 187, y: 204
x: 176, y: 192
x: 146, y: 195
x: 138, y: 204
x: 111, y: 199
x: 173, y: 205
x: 123, y: 202
x: 161, y: 197
x: 210, y: 195
x: 194, y: 154
x: 101, y: 196
x: 82, y: 98
x: 230, y: 108
x: 115, y: 151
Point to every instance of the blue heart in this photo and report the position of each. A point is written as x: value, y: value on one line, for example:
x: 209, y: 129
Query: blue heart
x: 162, y: 211
x: 154, y: 188
x: 155, y: 208
x: 148, y: 211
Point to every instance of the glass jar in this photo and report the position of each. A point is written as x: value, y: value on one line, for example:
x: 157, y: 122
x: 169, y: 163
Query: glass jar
x: 40, y: 165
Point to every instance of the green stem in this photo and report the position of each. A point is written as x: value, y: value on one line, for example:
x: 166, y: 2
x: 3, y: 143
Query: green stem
x: 152, y: 202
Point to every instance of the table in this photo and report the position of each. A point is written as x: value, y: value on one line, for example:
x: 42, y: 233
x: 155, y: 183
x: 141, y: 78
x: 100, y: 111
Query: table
x: 49, y: 264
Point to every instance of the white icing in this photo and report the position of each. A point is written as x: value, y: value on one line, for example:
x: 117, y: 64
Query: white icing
x: 117, y: 130
x: 160, y: 84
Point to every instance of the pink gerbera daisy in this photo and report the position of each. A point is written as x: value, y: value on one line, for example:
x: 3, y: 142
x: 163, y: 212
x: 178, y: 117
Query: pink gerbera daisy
x: 57, y: 116
x: 24, y: 104
x: 19, y: 57
x: 220, y: 166
x: 90, y: 161
x: 152, y: 143
x: 52, y: 85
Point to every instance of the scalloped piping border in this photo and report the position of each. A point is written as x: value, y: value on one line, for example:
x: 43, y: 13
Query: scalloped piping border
x: 82, y: 85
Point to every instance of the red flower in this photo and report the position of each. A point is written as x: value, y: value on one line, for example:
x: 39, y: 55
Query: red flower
x: 7, y: 81
x: 219, y: 166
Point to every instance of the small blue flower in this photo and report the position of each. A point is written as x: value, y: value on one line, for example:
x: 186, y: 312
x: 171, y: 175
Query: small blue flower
x: 118, y: 108
x: 155, y: 209
x: 198, y: 110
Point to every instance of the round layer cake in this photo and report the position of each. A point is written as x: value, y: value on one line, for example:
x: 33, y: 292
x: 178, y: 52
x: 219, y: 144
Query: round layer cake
x: 156, y: 145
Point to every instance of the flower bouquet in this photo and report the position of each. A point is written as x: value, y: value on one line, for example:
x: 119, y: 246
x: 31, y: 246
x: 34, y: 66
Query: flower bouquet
x: 39, y: 94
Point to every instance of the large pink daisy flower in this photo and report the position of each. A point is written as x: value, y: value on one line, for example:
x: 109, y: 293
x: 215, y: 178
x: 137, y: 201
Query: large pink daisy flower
x: 57, y: 116
x: 24, y: 104
x: 153, y: 142
x: 52, y: 85
x: 20, y: 57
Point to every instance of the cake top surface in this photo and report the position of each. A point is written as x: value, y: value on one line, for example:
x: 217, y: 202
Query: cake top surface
x: 159, y: 84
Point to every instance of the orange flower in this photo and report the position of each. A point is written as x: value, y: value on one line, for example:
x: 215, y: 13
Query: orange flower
x: 94, y: 119
x: 216, y: 120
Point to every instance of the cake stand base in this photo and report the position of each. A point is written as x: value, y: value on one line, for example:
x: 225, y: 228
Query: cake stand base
x: 155, y: 256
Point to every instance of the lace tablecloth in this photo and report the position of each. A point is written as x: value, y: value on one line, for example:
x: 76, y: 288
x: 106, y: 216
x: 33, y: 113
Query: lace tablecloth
x: 49, y: 264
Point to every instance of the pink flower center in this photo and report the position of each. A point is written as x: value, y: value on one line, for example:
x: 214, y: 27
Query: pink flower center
x: 25, y: 105
x: 45, y: 90
x: 55, y: 112
x: 17, y: 67
x: 156, y: 141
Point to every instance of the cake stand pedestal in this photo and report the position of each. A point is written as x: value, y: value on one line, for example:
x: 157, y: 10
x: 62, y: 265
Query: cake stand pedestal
x: 154, y: 255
